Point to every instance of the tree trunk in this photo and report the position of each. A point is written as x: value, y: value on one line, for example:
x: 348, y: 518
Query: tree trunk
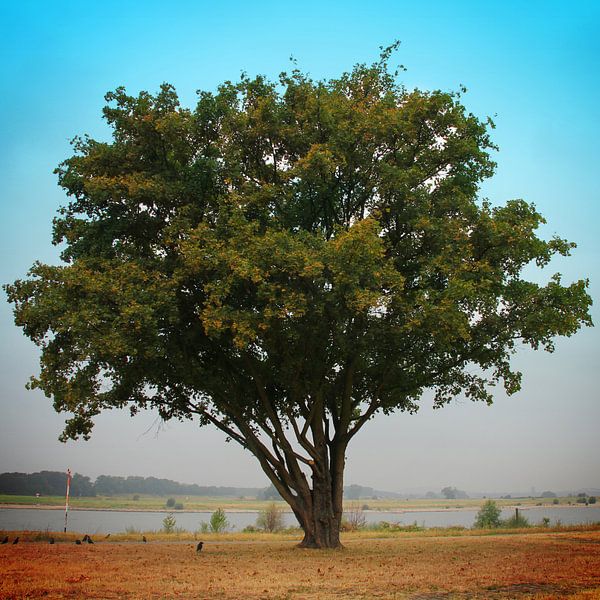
x: 321, y: 521
x: 321, y: 531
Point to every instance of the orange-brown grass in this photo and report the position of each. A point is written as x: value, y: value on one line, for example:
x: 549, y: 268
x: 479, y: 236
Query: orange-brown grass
x: 538, y: 566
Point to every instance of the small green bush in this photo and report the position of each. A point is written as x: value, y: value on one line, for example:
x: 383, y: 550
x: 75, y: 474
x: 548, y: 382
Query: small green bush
x: 218, y: 521
x: 488, y: 516
x: 555, y: 501
x: 592, y: 500
x: 169, y: 523
x: 170, y: 502
x: 178, y: 506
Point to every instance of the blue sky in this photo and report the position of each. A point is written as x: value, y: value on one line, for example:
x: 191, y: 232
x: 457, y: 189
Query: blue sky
x: 533, y: 67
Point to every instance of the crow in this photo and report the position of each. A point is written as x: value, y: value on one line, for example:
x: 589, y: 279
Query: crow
x: 85, y: 538
x: 52, y: 540
x: 199, y: 546
x: 16, y: 540
x: 5, y: 540
x: 78, y: 542
x: 107, y: 536
x: 89, y: 540
x: 144, y: 539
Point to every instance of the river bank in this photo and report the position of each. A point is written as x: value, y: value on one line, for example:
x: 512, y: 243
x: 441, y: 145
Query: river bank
x: 349, y: 506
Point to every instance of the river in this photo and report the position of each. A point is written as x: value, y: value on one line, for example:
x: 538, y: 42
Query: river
x: 114, y: 521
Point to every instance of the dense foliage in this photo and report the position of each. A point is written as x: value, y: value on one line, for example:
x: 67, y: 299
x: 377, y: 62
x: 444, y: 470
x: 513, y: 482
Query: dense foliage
x: 284, y: 262
x: 488, y: 516
x: 53, y: 483
x: 47, y: 483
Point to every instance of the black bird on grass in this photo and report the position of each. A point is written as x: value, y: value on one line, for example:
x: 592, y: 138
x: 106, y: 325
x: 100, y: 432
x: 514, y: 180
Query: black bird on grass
x: 16, y: 540
x: 85, y: 538
x: 144, y: 539
x: 52, y: 540
x: 78, y: 542
x: 5, y: 540
x: 90, y: 540
x: 107, y: 536
x: 199, y: 546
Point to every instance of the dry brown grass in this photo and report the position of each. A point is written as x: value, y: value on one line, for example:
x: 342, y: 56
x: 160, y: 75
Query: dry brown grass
x: 522, y: 566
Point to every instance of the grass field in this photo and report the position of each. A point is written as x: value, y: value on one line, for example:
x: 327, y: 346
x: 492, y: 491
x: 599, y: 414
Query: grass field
x: 536, y: 566
x: 212, y: 503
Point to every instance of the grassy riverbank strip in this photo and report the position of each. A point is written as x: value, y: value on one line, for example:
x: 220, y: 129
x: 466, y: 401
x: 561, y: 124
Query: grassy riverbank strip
x: 289, y: 534
x: 210, y: 504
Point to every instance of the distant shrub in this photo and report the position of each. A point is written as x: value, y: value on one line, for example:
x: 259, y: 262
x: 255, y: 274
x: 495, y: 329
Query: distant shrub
x: 555, y: 501
x: 515, y: 522
x: 365, y: 507
x: 250, y: 529
x: 42, y: 536
x: 592, y: 500
x: 169, y: 523
x: 204, y: 528
x: 131, y: 530
x: 136, y: 497
x: 178, y: 506
x: 354, y: 518
x: 271, y: 518
x: 170, y: 502
x: 582, y: 500
x: 545, y: 522
x: 387, y: 526
x: 218, y: 521
x: 488, y: 516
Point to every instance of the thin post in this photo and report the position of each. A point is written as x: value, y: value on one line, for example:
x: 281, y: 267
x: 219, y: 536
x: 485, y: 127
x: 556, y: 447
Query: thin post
x: 67, y: 498
x: 517, y: 516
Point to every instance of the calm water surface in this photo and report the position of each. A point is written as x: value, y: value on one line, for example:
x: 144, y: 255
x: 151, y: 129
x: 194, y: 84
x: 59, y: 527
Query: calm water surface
x: 97, y: 521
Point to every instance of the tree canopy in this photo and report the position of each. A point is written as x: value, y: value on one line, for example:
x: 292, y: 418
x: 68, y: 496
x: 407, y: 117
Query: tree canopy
x: 285, y: 261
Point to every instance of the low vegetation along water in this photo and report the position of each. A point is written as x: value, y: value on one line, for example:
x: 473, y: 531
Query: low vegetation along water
x: 114, y: 521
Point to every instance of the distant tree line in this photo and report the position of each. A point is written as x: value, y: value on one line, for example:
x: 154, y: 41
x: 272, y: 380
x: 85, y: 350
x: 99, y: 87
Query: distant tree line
x: 355, y: 492
x: 53, y: 483
x: 451, y: 493
x: 46, y: 483
x: 107, y: 485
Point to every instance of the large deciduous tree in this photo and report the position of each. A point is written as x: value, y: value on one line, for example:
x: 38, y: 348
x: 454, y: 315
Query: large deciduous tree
x: 284, y: 262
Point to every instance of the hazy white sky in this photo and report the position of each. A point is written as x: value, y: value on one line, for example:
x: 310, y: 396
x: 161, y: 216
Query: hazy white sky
x: 534, y: 68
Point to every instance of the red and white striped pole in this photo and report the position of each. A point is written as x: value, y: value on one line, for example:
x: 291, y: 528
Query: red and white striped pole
x: 67, y: 498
